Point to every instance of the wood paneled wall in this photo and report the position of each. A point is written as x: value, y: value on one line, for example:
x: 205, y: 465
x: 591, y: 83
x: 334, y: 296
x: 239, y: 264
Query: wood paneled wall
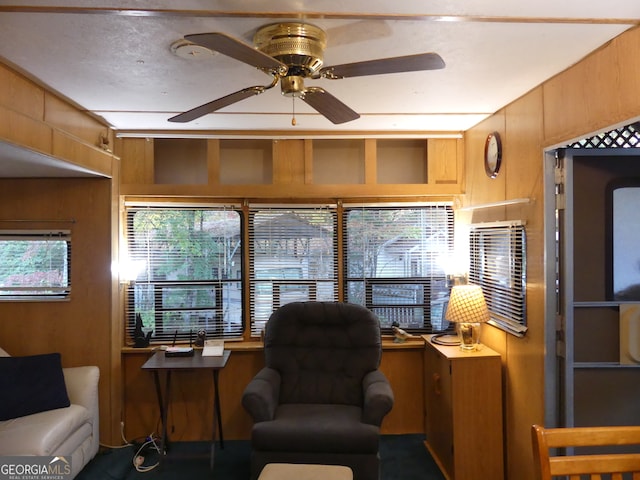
x: 599, y: 92
x: 80, y: 328
x: 191, y: 409
x: 38, y: 120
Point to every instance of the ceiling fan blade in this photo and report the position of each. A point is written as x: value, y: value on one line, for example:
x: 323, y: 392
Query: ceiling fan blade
x: 328, y: 105
x: 233, y: 48
x: 217, y: 104
x: 408, y: 63
x: 358, y: 31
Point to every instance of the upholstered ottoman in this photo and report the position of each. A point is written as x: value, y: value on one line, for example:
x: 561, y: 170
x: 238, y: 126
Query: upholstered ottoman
x: 301, y: 471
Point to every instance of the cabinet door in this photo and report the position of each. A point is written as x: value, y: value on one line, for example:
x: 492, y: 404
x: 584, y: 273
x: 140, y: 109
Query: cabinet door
x: 439, y: 414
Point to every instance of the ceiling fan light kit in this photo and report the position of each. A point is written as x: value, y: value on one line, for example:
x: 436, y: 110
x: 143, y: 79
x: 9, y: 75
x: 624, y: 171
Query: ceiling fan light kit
x: 291, y: 52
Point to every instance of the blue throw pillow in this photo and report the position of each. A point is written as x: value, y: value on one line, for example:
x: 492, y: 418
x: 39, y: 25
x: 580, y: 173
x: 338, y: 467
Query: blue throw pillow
x: 31, y: 384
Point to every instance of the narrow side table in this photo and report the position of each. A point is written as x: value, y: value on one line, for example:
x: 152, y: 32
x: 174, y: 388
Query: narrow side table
x: 161, y: 363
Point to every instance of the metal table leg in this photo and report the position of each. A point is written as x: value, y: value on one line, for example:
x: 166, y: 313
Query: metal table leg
x: 163, y: 403
x: 217, y: 418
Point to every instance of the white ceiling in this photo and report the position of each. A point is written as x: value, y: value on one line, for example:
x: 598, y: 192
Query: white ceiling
x: 114, y: 59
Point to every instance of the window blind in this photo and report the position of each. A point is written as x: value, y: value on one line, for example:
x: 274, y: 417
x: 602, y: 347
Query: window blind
x: 191, y: 278
x: 292, y: 258
x: 35, y: 264
x: 393, y: 263
x: 498, y: 265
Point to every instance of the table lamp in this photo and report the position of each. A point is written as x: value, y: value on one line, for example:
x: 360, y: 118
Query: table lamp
x: 468, y: 310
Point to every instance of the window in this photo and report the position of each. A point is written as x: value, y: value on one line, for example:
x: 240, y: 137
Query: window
x: 497, y: 264
x: 35, y: 264
x: 292, y: 258
x: 193, y: 275
x: 191, y: 278
x: 393, y: 263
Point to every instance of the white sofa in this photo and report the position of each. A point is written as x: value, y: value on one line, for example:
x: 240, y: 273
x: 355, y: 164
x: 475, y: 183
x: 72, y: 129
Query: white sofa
x: 70, y: 432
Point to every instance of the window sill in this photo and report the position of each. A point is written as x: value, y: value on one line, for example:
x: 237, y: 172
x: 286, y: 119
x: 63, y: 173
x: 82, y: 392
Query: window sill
x: 412, y: 343
x: 256, y: 345
x: 233, y: 346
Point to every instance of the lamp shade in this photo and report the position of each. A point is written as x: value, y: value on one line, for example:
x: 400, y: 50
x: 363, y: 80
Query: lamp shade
x: 467, y: 305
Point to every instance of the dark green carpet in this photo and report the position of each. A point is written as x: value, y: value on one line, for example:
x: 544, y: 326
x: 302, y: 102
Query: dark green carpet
x: 403, y: 458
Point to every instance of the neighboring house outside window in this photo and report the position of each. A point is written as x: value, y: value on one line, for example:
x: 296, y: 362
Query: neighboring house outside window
x: 292, y: 258
x: 393, y: 263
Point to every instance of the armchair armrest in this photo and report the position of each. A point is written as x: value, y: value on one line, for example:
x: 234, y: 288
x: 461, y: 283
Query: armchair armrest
x: 378, y: 397
x: 260, y: 397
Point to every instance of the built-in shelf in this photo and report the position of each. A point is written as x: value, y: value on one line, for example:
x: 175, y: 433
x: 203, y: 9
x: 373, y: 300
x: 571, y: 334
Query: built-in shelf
x: 246, y: 162
x: 401, y: 161
x: 318, y: 167
x: 338, y: 161
x: 603, y: 365
x: 605, y: 303
x: 180, y: 162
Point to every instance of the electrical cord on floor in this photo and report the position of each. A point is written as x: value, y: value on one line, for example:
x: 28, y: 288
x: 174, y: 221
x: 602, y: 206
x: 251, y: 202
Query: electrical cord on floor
x: 139, y: 458
x: 125, y: 442
x: 148, y: 443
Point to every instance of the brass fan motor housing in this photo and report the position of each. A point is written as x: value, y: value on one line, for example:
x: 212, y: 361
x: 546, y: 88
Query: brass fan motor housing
x: 292, y: 86
x: 298, y: 45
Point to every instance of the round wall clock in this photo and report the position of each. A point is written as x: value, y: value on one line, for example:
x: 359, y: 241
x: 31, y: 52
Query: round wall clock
x: 492, y: 154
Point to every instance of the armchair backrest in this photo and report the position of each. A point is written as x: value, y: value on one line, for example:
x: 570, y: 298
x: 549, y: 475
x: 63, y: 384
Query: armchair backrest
x: 322, y: 351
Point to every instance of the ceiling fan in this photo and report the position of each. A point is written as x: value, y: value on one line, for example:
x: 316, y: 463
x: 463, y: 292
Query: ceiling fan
x: 291, y: 53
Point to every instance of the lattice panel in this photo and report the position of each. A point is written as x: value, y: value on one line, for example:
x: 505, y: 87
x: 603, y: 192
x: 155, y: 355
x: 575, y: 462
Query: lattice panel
x: 623, y: 137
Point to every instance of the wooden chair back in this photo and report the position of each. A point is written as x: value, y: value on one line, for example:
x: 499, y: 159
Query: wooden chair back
x: 580, y: 465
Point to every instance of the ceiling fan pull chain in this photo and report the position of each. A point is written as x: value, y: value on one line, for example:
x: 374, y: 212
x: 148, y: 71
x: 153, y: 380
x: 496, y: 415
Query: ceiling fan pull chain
x: 293, y: 109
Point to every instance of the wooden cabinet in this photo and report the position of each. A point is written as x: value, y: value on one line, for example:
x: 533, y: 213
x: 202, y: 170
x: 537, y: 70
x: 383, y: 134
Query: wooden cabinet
x: 463, y: 417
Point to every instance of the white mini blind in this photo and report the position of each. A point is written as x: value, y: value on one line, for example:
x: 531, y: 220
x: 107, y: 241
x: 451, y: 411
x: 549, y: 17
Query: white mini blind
x: 292, y: 258
x: 190, y: 278
x: 393, y: 263
x: 498, y: 265
x: 35, y: 264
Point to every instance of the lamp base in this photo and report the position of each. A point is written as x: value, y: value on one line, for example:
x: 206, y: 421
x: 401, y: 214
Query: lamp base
x: 469, y: 335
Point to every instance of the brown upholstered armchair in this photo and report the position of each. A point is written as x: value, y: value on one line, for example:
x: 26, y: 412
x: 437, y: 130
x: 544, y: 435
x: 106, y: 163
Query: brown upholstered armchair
x: 320, y: 397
